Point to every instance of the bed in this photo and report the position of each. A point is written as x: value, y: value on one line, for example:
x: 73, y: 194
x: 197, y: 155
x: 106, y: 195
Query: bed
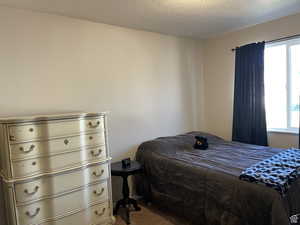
x: 203, y: 186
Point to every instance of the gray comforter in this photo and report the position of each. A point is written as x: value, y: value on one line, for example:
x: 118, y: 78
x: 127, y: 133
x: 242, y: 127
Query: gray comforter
x: 204, y: 187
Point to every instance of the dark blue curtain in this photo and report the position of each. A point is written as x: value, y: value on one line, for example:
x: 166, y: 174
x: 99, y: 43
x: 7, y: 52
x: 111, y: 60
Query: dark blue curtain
x: 249, y: 119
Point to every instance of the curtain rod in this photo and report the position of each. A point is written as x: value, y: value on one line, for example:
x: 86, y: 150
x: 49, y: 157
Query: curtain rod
x: 277, y: 40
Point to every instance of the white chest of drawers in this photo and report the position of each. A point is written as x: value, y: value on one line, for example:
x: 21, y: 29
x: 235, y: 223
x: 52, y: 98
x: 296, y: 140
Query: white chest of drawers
x: 55, y: 170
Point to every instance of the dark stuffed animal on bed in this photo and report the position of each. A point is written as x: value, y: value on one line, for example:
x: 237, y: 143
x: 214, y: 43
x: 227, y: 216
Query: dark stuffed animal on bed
x: 201, y: 143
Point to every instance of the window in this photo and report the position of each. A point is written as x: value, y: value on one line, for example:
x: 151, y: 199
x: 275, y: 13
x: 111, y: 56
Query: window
x: 282, y: 85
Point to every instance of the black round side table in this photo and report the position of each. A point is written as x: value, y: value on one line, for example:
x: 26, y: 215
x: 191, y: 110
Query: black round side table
x: 118, y: 170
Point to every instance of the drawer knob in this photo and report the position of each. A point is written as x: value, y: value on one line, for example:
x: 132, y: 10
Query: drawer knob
x: 91, y: 125
x: 31, y: 148
x: 96, y: 153
x: 98, y: 193
x: 34, y: 214
x: 33, y: 192
x: 66, y: 142
x: 96, y: 174
x: 12, y: 137
x: 31, y: 129
x: 100, y: 213
x: 33, y: 163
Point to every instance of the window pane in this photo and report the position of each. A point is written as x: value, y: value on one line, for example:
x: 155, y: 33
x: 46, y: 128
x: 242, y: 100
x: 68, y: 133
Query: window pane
x: 275, y: 86
x: 295, y: 85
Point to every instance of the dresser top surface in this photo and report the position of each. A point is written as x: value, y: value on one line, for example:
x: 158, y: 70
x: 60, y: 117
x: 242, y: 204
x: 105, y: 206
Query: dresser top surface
x: 46, y: 117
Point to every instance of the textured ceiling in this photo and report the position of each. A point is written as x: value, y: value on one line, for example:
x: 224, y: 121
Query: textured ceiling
x: 191, y: 18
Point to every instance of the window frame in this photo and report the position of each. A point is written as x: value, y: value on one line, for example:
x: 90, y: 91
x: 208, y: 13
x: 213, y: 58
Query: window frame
x: 288, y: 43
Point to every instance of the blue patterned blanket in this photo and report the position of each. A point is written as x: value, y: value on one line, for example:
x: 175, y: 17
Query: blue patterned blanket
x: 277, y: 172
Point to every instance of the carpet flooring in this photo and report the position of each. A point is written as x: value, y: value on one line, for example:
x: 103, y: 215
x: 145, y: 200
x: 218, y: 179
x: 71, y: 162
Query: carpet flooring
x: 149, y: 216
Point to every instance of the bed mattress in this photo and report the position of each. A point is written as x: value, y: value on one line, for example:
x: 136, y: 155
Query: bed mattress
x: 204, y: 186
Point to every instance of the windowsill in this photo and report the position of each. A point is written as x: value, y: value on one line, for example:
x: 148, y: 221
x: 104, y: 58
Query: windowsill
x: 284, y: 131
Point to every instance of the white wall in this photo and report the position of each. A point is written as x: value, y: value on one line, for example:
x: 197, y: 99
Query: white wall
x: 153, y: 84
x: 52, y: 64
x: 219, y: 75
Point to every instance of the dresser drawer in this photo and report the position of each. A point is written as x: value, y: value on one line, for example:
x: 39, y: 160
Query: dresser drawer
x: 46, y: 130
x: 56, y: 163
x: 54, y: 185
x: 54, y: 146
x: 96, y: 215
x: 52, y: 208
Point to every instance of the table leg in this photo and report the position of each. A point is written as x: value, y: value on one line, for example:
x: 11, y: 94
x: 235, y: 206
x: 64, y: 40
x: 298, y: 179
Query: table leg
x: 134, y: 203
x: 126, y: 198
x: 119, y: 203
x: 127, y: 216
x: 125, y: 188
x: 126, y: 201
